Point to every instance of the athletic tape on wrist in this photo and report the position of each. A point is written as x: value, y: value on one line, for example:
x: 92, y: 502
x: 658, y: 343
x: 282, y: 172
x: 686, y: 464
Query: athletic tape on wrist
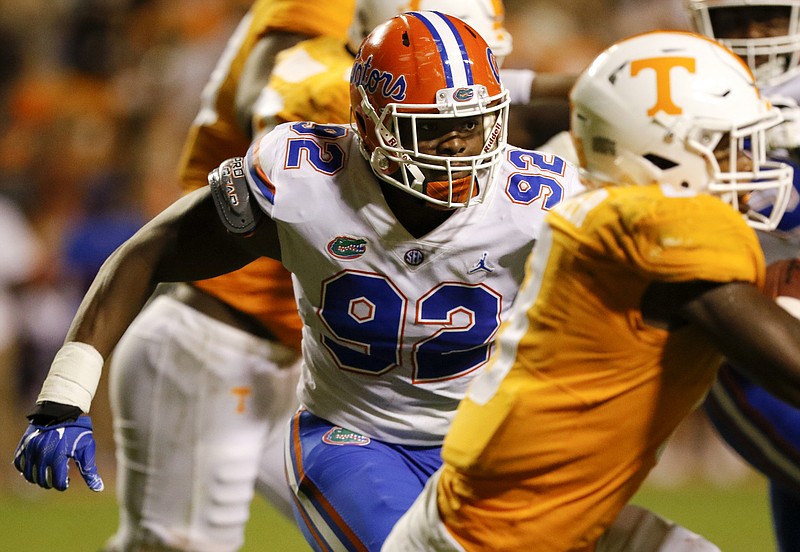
x: 73, y: 376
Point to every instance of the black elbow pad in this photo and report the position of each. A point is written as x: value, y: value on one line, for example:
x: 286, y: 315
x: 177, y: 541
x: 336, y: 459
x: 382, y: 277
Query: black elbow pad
x: 232, y: 197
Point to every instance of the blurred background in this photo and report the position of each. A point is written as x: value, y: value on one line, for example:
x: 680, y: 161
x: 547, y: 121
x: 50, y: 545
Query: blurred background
x: 96, y: 97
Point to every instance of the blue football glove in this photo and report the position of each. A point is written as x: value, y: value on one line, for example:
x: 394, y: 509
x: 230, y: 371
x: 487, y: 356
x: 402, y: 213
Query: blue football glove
x: 43, y: 454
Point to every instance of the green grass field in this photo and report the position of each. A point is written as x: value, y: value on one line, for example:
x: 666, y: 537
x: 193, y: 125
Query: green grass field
x: 34, y: 520
x: 736, y: 519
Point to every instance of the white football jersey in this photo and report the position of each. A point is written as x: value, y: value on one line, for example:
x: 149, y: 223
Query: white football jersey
x: 395, y: 327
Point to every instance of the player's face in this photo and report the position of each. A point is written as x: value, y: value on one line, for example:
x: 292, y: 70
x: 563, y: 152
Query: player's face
x: 750, y: 21
x: 451, y: 137
x: 722, y: 153
x: 448, y: 137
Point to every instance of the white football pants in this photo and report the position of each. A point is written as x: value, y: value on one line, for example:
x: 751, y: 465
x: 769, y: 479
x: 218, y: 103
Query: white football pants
x: 200, y: 414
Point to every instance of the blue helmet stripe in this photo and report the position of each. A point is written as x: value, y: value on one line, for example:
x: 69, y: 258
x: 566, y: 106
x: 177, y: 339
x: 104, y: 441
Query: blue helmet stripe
x: 462, y: 48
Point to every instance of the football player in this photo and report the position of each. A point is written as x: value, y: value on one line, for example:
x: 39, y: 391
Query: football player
x: 406, y: 237
x: 758, y: 425
x: 225, y: 349
x: 251, y: 312
x: 634, y: 291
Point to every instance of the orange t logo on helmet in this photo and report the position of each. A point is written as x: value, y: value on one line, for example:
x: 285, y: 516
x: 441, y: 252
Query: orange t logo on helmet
x: 662, y: 67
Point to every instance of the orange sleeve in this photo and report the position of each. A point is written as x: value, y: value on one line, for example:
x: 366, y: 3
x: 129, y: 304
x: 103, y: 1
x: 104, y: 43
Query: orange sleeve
x: 331, y: 17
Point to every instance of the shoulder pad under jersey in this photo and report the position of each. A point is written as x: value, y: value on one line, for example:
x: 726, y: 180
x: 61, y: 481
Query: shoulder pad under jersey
x: 232, y: 197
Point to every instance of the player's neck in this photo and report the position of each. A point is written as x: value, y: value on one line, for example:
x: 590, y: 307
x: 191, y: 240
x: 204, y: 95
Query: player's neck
x: 417, y: 217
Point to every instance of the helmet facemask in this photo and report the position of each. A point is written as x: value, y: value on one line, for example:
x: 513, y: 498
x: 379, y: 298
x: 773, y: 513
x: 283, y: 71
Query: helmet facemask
x: 774, y: 58
x: 724, y: 160
x: 741, y: 173
x: 446, y: 181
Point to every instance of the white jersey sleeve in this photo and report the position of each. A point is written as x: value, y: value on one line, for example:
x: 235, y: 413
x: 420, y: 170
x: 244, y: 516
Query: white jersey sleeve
x: 790, y: 88
x: 395, y: 327
x: 518, y: 82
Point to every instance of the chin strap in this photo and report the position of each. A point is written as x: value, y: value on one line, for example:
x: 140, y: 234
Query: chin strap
x: 380, y: 163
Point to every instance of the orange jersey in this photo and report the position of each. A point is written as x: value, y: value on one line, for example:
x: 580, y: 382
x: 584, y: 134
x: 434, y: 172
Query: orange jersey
x: 568, y: 419
x: 310, y: 82
x: 262, y: 289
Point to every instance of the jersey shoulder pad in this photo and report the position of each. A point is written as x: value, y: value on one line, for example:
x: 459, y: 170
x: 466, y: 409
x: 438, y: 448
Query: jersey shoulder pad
x: 232, y: 197
x: 681, y: 236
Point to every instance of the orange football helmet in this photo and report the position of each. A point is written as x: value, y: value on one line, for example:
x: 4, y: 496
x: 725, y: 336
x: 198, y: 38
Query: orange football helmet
x: 415, y: 69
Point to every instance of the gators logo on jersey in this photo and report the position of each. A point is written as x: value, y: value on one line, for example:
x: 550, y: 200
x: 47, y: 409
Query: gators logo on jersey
x: 347, y: 247
x: 340, y: 436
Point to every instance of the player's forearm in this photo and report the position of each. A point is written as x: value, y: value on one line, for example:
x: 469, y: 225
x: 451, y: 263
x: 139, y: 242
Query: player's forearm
x: 118, y: 293
x: 779, y: 367
x: 186, y: 242
x: 124, y: 283
x: 759, y: 338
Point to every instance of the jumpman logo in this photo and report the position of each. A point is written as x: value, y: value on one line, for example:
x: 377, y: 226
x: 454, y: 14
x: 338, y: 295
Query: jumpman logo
x: 482, y: 264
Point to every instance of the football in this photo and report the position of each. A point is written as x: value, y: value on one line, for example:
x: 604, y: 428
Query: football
x: 783, y: 279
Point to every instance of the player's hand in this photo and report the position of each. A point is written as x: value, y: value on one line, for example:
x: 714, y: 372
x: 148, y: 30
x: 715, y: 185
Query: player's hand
x: 43, y: 454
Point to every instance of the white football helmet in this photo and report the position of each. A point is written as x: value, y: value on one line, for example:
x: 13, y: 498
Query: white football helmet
x: 485, y: 16
x: 773, y: 59
x: 654, y: 108
x: 412, y: 72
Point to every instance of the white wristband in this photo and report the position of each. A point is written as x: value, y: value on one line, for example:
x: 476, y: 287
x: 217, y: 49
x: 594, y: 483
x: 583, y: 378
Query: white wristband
x: 73, y: 376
